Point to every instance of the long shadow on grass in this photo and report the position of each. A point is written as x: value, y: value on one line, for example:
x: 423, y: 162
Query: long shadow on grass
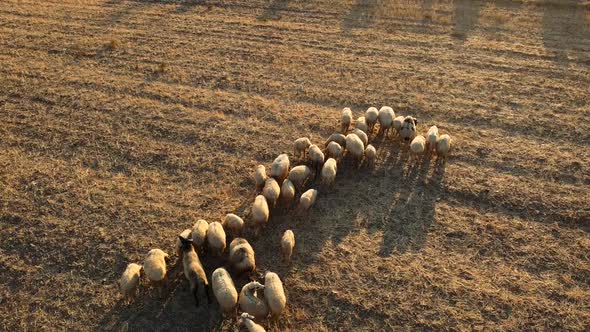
x: 566, y: 29
x: 465, y: 18
x: 361, y: 15
x: 273, y: 11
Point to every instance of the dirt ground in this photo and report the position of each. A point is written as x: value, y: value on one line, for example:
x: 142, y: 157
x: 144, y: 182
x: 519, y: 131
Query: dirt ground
x: 122, y: 122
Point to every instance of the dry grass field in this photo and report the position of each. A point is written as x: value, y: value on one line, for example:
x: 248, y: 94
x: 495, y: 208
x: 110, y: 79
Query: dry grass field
x: 122, y: 122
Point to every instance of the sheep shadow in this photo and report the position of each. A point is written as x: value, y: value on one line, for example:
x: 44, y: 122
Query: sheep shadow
x: 361, y: 15
x: 273, y: 11
x: 565, y: 30
x: 167, y: 307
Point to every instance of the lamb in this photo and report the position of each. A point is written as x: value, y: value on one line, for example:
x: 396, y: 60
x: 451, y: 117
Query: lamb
x: 224, y: 290
x: 250, y: 303
x: 346, y: 119
x: 234, y: 223
x: 408, y: 130
x: 338, y: 138
x: 241, y: 256
x: 371, y: 118
x: 154, y: 265
x: 431, y: 138
x: 316, y: 157
x: 443, y: 146
x: 370, y: 154
x: 355, y: 147
x: 260, y: 176
x: 185, y: 234
x: 361, y: 134
x: 300, y: 146
x: 260, y: 213
x: 307, y: 200
x: 417, y: 146
x: 287, y: 192
x: 397, y: 123
x: 274, y: 294
x: 386, y: 116
x: 194, y: 272
x: 216, y: 238
x: 299, y: 176
x: 334, y: 150
x: 329, y: 172
x: 271, y: 191
x: 129, y: 281
x: 287, y: 245
x: 280, y: 168
x: 199, y: 234
x: 361, y: 124
x: 248, y: 321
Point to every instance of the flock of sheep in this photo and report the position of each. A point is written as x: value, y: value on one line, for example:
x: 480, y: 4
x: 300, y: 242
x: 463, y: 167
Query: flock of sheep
x: 280, y: 187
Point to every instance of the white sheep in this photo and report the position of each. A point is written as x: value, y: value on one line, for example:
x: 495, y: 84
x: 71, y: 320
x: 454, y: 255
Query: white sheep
x: 154, y: 265
x: 224, y: 290
x: 129, y: 281
x: 216, y: 238
x: 280, y: 168
x: 260, y: 213
x: 370, y: 154
x: 234, y: 223
x: 417, y: 146
x: 199, y: 234
x: 431, y: 138
x: 185, y: 234
x: 287, y: 245
x: 329, y: 172
x: 274, y: 294
x: 334, y: 150
x: 338, y: 138
x: 346, y: 119
x: 248, y: 321
x: 361, y: 134
x: 386, y: 116
x: 443, y: 146
x: 307, y: 200
x: 316, y: 157
x: 241, y: 256
x: 371, y: 118
x: 193, y: 271
x: 397, y: 123
x: 299, y: 176
x: 361, y: 124
x: 355, y: 147
x: 249, y: 301
x: 408, y: 130
x: 271, y: 191
x: 300, y: 146
x: 260, y: 176
x: 287, y: 192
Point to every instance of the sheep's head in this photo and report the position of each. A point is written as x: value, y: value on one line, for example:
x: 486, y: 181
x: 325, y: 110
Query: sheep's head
x: 185, y: 244
x: 245, y: 316
x: 256, y: 285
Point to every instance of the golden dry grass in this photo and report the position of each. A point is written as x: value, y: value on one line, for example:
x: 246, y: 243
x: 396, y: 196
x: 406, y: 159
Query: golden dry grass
x: 123, y: 122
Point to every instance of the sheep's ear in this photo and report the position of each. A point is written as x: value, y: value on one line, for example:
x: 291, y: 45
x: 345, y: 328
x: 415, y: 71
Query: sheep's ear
x: 416, y: 120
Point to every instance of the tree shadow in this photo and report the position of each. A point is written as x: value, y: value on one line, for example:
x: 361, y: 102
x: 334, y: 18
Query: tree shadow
x: 361, y: 15
x: 465, y: 18
x: 565, y: 30
x: 273, y: 11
